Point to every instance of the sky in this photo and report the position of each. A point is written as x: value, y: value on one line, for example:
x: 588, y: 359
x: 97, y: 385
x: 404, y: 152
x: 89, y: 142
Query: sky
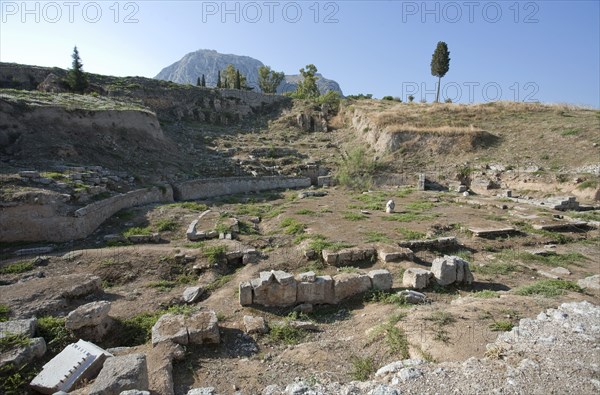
x: 547, y: 51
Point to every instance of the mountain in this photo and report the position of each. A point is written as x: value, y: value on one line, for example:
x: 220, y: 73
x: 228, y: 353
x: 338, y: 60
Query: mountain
x: 209, y: 62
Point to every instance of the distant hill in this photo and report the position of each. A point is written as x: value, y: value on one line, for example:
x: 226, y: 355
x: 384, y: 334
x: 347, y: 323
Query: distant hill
x: 209, y: 62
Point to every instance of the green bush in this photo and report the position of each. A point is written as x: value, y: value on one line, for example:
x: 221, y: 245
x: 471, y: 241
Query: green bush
x: 4, y: 312
x: 356, y: 171
x: 214, y: 254
x: 285, y: 333
x: 292, y: 227
x: 501, y: 326
x: 16, y: 268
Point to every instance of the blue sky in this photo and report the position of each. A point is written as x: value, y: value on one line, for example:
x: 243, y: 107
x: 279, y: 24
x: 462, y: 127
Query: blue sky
x: 547, y: 51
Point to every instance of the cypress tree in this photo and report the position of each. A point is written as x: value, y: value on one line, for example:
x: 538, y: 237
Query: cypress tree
x: 219, y: 79
x: 198, y: 83
x: 76, y: 78
x: 203, y: 82
x: 440, y: 64
x: 238, y: 80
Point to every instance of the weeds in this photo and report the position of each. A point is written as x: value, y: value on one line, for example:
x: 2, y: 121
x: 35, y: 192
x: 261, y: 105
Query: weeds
x: 362, y: 367
x: 410, y: 234
x: 135, y: 231
x: 219, y: 282
x: 548, y: 288
x: 10, y: 341
x: 285, y: 333
x: 494, y: 269
x: 166, y: 225
x: 53, y: 330
x: 4, y: 312
x: 501, y: 326
x: 194, y: 206
x: 17, y: 267
x: 292, y: 227
x: 351, y: 216
x: 377, y: 237
x: 214, y: 254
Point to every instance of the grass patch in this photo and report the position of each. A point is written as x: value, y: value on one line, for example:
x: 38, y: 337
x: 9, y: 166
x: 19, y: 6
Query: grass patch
x: 548, y: 288
x: 194, y: 244
x: 308, y: 212
x: 485, y: 294
x: 291, y: 226
x: 194, y: 206
x: 465, y: 255
x: 12, y: 341
x: 54, y: 332
x: 570, y: 258
x: 362, y: 367
x: 214, y: 254
x: 441, y: 318
x: 54, y: 175
x: 125, y: 215
x: 588, y: 184
x: 494, y: 269
x: 259, y: 210
x: 587, y: 215
x: 167, y: 225
x: 4, y: 312
x: 501, y: 326
x: 408, y: 217
x: 219, y: 282
x: 162, y: 285
x: 408, y: 234
x: 377, y: 237
x: 17, y: 267
x: 138, y: 329
x: 395, y: 338
x: 351, y: 216
x: 135, y: 231
x: 570, y: 132
x: 379, y: 296
x: 419, y: 206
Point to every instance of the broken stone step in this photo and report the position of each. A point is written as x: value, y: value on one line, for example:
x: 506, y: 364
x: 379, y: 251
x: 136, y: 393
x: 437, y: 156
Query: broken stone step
x: 478, y: 232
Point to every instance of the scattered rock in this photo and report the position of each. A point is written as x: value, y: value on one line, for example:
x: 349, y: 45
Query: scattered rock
x: 592, y: 282
x: 381, y: 279
x: 90, y: 314
x: 121, y: 373
x: 255, y: 324
x: 19, y: 356
x: 202, y: 391
x: 88, y: 286
x: 24, y: 327
x: 413, y: 297
x: 390, y: 206
x: 191, y: 294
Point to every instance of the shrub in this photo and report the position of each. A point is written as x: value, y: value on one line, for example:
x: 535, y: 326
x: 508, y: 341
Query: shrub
x: 214, y: 254
x: 501, y: 326
x: 357, y: 171
x: 137, y: 231
x: 16, y: 268
x: 4, y: 312
x: 285, y: 333
x: 391, y: 98
x: 292, y: 227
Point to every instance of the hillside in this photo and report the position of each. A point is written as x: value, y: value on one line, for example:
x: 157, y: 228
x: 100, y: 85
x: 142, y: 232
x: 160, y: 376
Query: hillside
x: 210, y: 62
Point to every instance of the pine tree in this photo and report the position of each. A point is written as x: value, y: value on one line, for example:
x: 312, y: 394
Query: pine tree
x: 440, y: 64
x: 203, y: 82
x: 76, y: 78
x: 219, y: 85
x: 198, y: 83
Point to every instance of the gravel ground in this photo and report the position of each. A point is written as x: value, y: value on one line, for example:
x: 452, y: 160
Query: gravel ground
x: 558, y: 352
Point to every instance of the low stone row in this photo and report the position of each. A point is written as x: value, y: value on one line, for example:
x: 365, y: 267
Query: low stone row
x: 278, y: 288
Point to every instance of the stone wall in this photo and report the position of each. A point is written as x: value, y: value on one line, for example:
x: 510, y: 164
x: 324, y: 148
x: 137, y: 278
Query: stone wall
x: 49, y: 222
x: 31, y: 222
x: 212, y: 187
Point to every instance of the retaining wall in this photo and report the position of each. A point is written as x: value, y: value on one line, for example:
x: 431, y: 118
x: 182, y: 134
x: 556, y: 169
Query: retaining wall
x: 48, y: 222
x: 213, y: 187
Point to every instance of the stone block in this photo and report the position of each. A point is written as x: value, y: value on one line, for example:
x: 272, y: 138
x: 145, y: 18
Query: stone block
x: 192, y: 294
x: 170, y: 327
x: 451, y: 269
x: 395, y: 254
x: 275, y: 288
x: 90, y: 314
x: 416, y: 278
x: 203, y: 327
x: 245, y: 294
x: 330, y: 257
x: 349, y: 284
x: 381, y: 279
x: 76, y: 362
x: 316, y: 292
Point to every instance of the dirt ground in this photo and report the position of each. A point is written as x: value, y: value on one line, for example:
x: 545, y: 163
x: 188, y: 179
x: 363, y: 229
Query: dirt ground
x: 456, y: 323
